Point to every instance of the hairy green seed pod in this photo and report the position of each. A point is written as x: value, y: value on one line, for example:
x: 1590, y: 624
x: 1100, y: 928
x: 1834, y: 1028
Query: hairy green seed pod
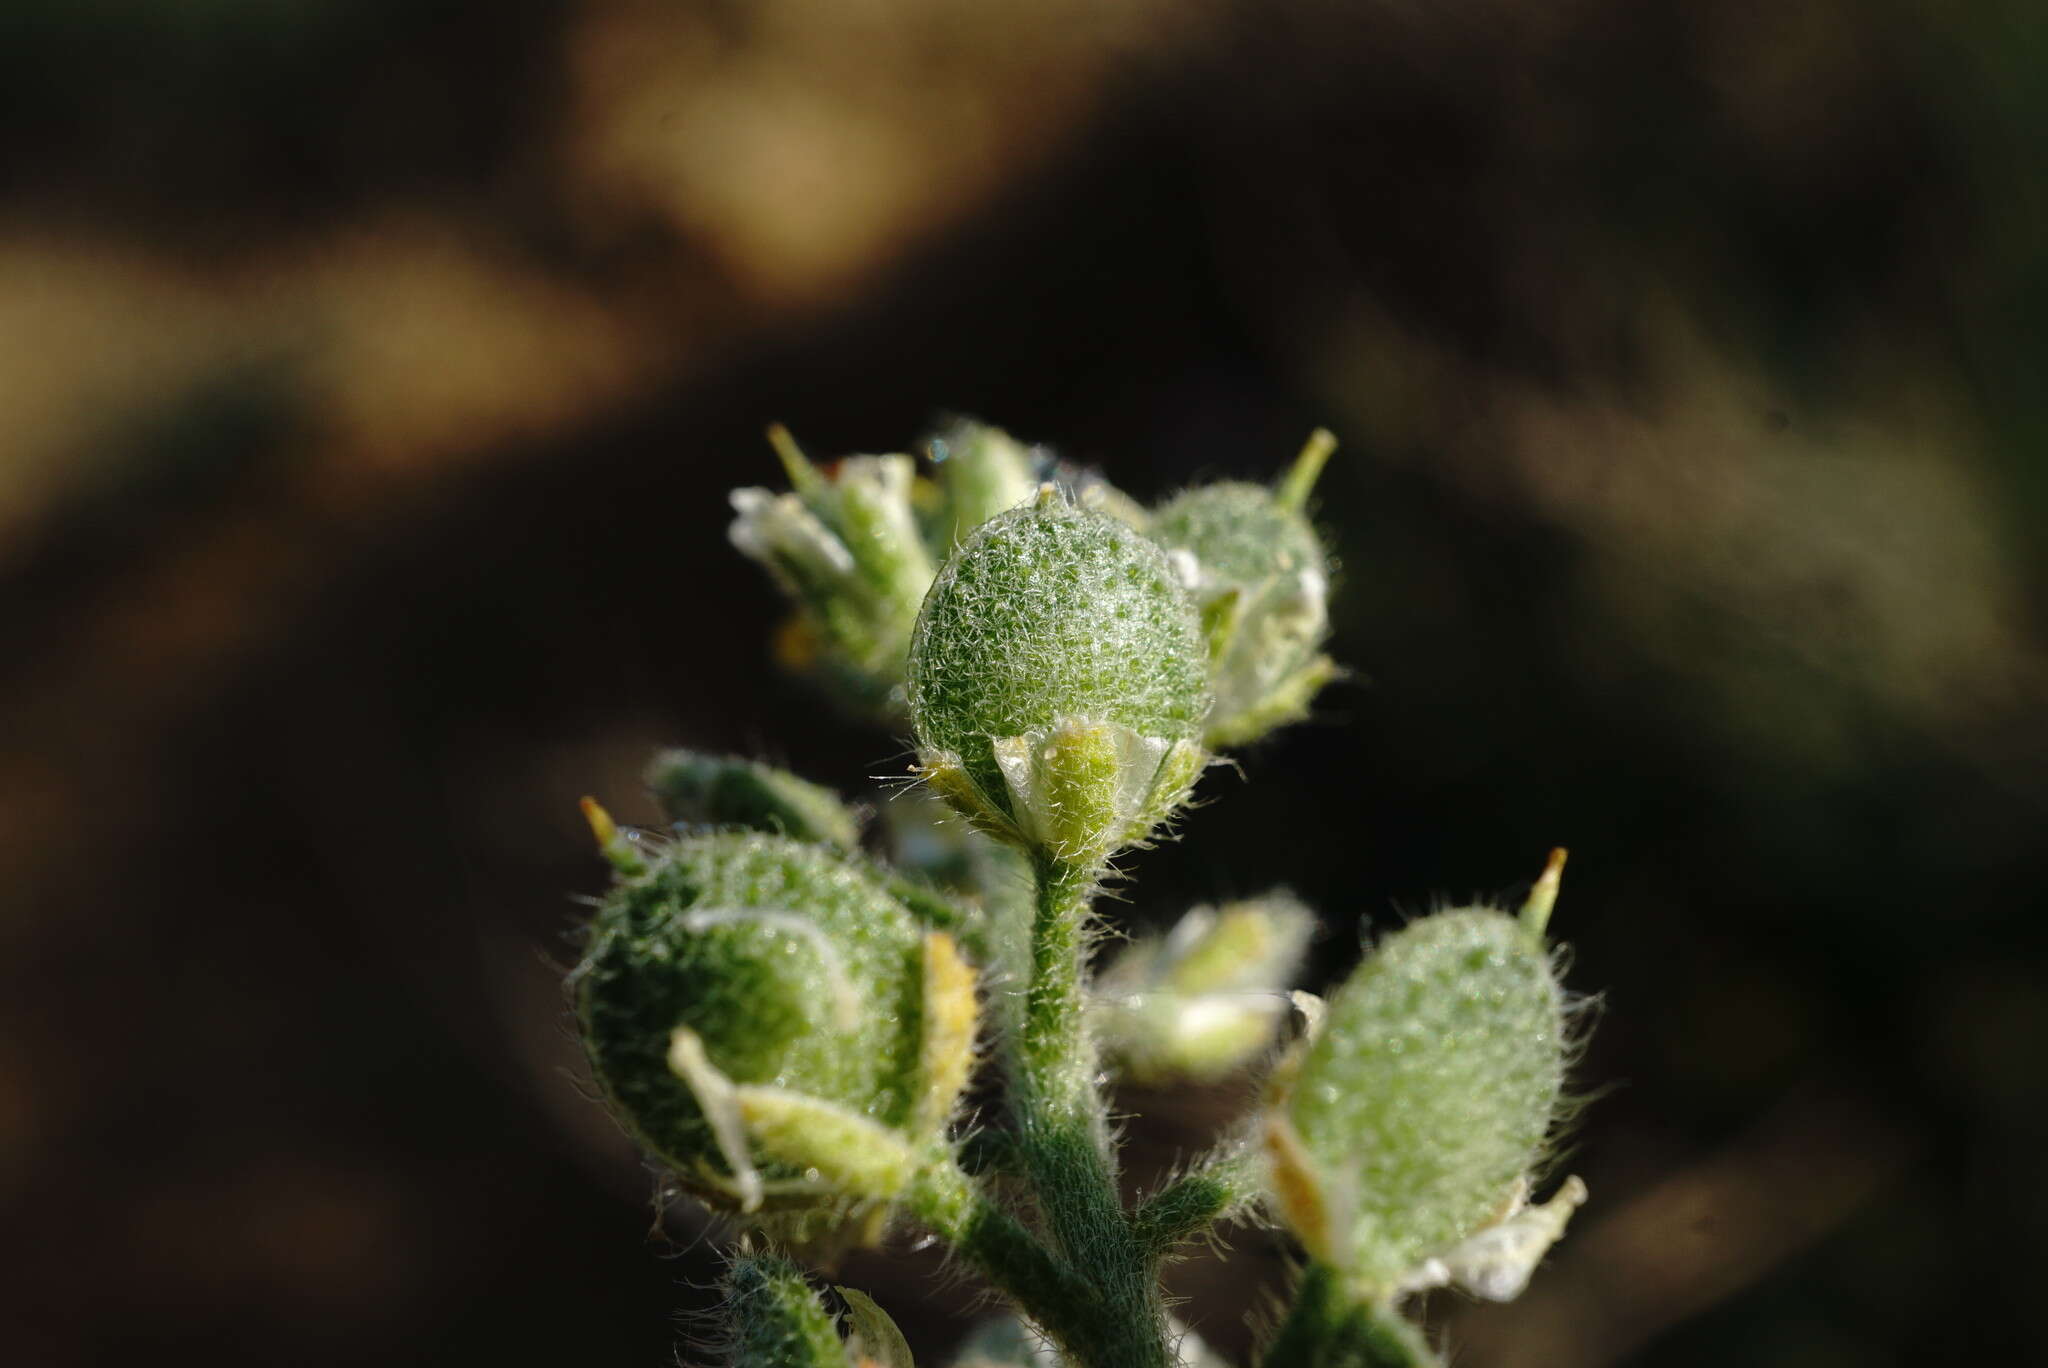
x: 1421, y: 1107
x: 725, y: 790
x: 1057, y: 682
x: 1261, y: 579
x: 772, y: 1317
x: 767, y: 1019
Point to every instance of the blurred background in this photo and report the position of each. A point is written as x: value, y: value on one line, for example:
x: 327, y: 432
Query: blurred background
x: 371, y: 378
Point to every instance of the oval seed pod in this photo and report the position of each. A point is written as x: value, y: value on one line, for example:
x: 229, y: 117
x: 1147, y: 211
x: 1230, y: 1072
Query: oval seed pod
x: 1261, y: 578
x: 764, y: 1017
x: 1058, y: 683
x: 1424, y: 1102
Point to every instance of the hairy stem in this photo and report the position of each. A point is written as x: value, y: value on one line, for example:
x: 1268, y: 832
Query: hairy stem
x: 1328, y: 1328
x: 1063, y: 1135
x: 1227, y: 1180
x: 1055, y: 1057
x: 997, y: 1245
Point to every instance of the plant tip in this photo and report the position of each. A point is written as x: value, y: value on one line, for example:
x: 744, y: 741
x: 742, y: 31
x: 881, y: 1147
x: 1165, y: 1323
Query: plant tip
x: 802, y: 474
x: 1543, y: 897
x: 1301, y: 477
x: 601, y: 824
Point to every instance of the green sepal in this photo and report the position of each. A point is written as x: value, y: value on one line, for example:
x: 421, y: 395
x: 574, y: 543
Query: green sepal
x: 850, y: 1154
x: 725, y: 790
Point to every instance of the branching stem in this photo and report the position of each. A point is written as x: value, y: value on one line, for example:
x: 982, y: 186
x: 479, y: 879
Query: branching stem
x: 1196, y: 1200
x: 998, y: 1246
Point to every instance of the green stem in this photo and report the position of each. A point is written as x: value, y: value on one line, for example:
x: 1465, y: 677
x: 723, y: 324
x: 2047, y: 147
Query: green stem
x: 944, y: 1199
x: 1056, y: 1059
x: 1227, y: 1180
x: 1063, y: 1136
x: 1329, y: 1328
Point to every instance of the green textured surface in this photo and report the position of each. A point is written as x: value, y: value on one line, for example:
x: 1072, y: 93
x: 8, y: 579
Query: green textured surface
x: 773, y: 1318
x: 727, y: 790
x: 763, y: 997
x: 1239, y: 533
x: 1246, y: 543
x: 986, y: 472
x: 1049, y: 612
x: 1432, y: 1086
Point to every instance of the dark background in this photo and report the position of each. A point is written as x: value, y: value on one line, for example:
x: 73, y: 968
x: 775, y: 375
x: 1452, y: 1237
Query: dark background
x: 371, y: 378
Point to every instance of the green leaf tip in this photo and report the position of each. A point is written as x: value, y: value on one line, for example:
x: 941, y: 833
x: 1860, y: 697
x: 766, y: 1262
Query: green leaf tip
x: 1300, y: 479
x: 1542, y: 898
x: 616, y: 844
x: 803, y: 476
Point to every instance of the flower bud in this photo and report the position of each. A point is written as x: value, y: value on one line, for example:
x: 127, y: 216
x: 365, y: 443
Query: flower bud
x: 981, y: 471
x: 845, y: 546
x: 1057, y: 684
x: 714, y: 790
x: 1206, y: 998
x: 1261, y: 579
x: 768, y: 1020
x: 1417, y: 1113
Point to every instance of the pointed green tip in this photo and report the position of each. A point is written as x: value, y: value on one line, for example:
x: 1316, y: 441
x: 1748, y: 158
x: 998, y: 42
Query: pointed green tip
x: 612, y: 843
x: 1301, y: 477
x: 803, y: 476
x: 1543, y: 897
